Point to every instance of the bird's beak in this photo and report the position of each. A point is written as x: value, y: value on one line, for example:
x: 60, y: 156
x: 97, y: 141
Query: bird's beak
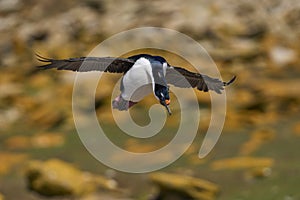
x: 167, y: 101
x: 166, y: 104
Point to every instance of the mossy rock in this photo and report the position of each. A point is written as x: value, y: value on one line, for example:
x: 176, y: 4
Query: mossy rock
x: 57, y: 178
x: 180, y: 187
x: 242, y: 162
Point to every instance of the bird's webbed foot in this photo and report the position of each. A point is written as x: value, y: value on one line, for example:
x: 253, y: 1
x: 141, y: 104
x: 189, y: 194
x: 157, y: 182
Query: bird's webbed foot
x: 122, y: 104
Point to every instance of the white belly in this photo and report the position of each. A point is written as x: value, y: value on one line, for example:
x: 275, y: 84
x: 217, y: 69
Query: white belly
x: 138, y: 82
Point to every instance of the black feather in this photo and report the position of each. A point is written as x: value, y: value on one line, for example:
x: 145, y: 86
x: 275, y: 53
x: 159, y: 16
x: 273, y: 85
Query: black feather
x: 85, y: 64
x: 181, y: 77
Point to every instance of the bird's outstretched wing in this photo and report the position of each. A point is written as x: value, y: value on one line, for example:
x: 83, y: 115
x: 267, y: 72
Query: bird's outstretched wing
x: 183, y: 78
x: 85, y: 64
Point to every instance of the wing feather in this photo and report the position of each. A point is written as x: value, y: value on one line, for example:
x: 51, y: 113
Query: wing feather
x: 183, y: 78
x: 85, y: 64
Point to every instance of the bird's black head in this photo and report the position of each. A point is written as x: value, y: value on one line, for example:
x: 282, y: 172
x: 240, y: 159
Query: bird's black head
x: 162, y: 93
x: 159, y: 59
x: 151, y: 58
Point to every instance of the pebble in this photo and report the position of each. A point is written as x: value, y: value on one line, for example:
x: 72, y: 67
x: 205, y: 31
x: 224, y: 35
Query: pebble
x: 282, y: 56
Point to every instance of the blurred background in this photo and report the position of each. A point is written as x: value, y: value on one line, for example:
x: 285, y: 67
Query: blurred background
x: 41, y: 155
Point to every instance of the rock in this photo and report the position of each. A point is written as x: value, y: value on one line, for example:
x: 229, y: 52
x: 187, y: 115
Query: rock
x: 180, y: 187
x: 17, y: 142
x: 133, y: 145
x: 41, y: 80
x: 8, y: 117
x: 101, y: 196
x: 292, y: 18
x: 7, y: 23
x: 44, y: 140
x: 259, y: 172
x: 56, y: 178
x: 225, y: 54
x: 285, y: 92
x: 296, y: 129
x: 26, y: 103
x: 46, y: 116
x: 242, y: 163
x: 232, y: 27
x: 10, y: 89
x: 1, y: 197
x: 10, y: 5
x: 10, y: 160
x: 282, y: 56
x: 40, y: 140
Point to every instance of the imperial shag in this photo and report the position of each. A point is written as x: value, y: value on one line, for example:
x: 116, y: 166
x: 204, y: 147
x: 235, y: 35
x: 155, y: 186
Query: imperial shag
x: 142, y: 74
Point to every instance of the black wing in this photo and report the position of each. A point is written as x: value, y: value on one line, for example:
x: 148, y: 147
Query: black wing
x: 85, y: 64
x: 183, y: 78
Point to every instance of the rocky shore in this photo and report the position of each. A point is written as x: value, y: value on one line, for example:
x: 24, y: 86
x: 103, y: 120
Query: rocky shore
x: 256, y: 40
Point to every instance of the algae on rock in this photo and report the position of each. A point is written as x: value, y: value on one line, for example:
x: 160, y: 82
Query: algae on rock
x: 55, y: 177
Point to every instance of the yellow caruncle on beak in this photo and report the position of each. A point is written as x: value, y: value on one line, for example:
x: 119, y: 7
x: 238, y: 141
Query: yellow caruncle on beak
x: 167, y: 101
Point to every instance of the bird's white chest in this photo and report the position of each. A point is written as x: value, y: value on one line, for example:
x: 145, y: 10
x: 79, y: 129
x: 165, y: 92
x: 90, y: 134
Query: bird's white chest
x: 138, y: 81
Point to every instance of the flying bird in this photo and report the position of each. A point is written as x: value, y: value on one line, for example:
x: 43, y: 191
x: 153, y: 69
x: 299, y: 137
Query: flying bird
x: 142, y: 74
